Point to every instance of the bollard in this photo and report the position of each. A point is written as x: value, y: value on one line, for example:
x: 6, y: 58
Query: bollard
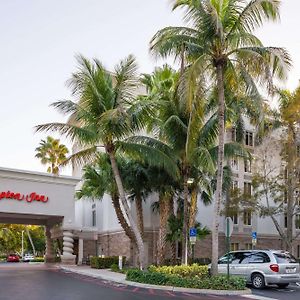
x: 120, y: 262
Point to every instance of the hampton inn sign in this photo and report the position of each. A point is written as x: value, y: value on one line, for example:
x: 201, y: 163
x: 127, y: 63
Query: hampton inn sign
x: 32, y: 197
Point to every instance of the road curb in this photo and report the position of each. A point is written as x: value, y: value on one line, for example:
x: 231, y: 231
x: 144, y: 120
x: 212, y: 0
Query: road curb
x: 158, y: 287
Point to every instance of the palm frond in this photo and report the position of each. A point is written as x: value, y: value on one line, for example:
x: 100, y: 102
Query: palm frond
x: 82, y: 157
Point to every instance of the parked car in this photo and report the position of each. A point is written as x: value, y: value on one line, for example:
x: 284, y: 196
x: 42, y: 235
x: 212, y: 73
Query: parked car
x: 262, y: 267
x: 13, y: 258
x: 28, y: 257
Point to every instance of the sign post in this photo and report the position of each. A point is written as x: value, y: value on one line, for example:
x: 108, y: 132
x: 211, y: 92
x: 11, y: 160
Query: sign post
x: 254, y: 239
x: 193, y: 238
x: 228, y: 233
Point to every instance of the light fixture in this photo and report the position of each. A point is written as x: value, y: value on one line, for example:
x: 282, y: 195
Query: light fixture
x: 190, y: 180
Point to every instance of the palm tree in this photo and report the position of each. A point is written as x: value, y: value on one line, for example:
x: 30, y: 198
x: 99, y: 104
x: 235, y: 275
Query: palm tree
x: 190, y: 126
x: 52, y: 153
x: 138, y: 186
x: 166, y: 187
x: 177, y: 125
x: 106, y: 116
x: 98, y: 179
x: 220, y: 44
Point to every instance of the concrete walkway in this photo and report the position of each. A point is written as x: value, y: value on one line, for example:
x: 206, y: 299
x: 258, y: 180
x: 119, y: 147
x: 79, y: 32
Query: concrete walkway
x: 106, y: 274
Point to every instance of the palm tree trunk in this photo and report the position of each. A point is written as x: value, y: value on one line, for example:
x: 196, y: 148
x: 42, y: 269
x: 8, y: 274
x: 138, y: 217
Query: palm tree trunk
x: 138, y: 237
x: 193, y: 208
x: 172, y: 243
x: 184, y: 258
x: 218, y: 195
x: 163, y: 223
x: 290, y: 189
x: 120, y: 216
x: 139, y: 213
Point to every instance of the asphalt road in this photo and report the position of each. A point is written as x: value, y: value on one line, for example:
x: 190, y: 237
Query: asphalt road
x: 292, y: 292
x: 25, y: 282
x: 38, y: 282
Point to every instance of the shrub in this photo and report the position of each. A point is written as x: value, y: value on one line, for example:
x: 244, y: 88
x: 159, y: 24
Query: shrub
x: 57, y: 259
x: 182, y: 271
x: 147, y: 277
x: 205, y: 282
x: 105, y: 262
x: 115, y: 267
x: 38, y: 259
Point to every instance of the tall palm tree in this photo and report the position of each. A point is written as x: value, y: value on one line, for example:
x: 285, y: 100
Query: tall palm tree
x: 52, y: 153
x: 106, y: 115
x: 189, y: 126
x: 220, y: 43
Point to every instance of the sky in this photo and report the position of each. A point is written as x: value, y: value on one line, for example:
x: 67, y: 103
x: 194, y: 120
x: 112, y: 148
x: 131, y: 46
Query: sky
x: 39, y: 40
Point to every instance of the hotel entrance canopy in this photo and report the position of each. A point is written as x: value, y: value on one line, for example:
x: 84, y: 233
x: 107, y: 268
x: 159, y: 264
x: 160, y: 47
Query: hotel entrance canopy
x: 40, y: 199
x: 36, y: 198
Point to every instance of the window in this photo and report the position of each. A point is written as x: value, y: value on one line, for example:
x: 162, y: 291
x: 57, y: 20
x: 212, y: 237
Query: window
x: 247, y: 218
x: 284, y: 258
x: 247, y: 188
x: 235, y: 219
x: 285, y: 220
x: 93, y: 218
x: 234, y: 246
x: 235, y: 164
x: 297, y: 221
x: 254, y: 258
x: 285, y: 196
x: 259, y: 258
x: 247, y: 165
x: 248, y: 246
x: 298, y: 150
x: 249, y: 138
x: 235, y: 185
x: 240, y: 257
x: 223, y: 259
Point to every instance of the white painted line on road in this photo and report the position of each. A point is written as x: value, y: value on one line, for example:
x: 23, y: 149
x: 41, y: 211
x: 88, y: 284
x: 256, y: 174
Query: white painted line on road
x: 258, y: 297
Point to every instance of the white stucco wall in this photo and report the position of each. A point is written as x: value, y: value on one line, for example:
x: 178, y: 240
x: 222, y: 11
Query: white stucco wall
x: 59, y: 190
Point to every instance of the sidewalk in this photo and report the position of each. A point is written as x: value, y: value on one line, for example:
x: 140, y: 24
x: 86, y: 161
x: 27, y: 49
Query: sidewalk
x: 106, y: 274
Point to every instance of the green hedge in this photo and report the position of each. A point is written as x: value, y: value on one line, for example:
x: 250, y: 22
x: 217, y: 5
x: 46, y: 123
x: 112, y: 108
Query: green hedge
x: 198, y: 260
x: 105, y: 262
x: 38, y: 259
x: 205, y: 282
x: 182, y: 271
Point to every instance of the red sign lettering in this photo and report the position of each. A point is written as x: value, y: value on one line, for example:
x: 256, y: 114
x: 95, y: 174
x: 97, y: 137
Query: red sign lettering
x: 29, y: 198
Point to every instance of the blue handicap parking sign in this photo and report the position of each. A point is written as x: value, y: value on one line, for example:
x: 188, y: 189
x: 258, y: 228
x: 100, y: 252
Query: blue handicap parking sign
x: 193, y: 232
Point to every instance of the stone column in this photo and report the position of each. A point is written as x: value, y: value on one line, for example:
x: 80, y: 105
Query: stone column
x: 50, y: 255
x: 80, y: 251
x: 68, y: 245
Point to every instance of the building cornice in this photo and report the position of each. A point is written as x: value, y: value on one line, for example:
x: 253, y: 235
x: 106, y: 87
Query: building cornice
x: 37, y: 177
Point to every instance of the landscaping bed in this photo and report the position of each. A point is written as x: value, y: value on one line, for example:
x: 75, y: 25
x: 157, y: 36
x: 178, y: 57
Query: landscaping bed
x: 193, y: 276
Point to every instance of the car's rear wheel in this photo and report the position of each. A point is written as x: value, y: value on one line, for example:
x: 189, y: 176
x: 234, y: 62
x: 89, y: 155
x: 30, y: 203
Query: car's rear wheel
x: 258, y: 281
x: 283, y: 285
